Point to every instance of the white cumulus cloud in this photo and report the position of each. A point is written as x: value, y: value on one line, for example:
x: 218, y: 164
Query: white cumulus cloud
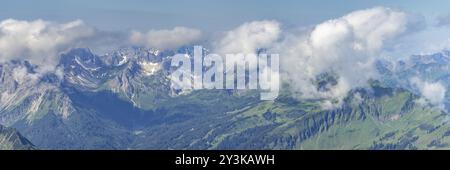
x: 248, y: 37
x: 433, y: 92
x: 166, y: 39
x: 39, y: 41
x: 346, y: 47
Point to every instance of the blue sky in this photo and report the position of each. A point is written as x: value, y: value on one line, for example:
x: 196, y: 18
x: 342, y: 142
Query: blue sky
x: 203, y: 14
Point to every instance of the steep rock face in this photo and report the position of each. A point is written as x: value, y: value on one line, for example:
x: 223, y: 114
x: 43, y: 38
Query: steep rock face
x: 10, y: 139
x: 27, y: 95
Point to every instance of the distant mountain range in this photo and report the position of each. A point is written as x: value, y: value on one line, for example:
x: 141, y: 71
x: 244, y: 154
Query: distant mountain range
x: 123, y: 100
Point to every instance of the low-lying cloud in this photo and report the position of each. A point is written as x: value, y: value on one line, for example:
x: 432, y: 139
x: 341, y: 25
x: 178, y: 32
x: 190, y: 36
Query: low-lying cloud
x: 345, y: 48
x: 432, y: 92
x: 247, y: 39
x: 39, y: 41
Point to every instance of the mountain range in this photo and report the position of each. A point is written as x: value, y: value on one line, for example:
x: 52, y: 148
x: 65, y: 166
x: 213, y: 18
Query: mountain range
x: 123, y: 100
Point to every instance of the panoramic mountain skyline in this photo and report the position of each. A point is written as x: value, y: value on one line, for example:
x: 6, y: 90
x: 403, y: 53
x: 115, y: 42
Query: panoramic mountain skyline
x: 103, y: 75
